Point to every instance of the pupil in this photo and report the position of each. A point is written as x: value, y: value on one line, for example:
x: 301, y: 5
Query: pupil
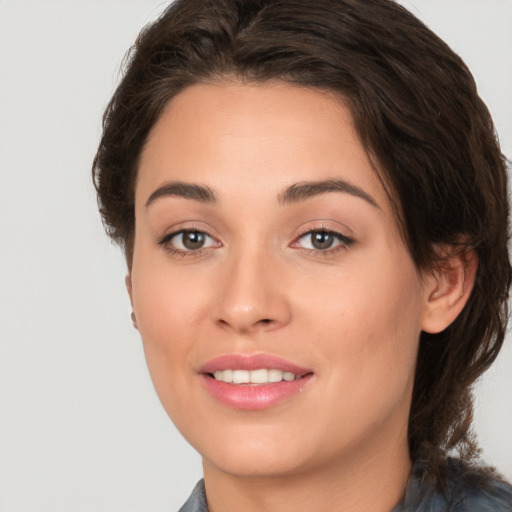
x: 193, y: 240
x: 322, y: 240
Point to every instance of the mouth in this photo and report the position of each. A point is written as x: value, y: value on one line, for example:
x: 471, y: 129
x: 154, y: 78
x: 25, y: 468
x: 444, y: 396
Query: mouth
x: 257, y: 377
x: 253, y: 382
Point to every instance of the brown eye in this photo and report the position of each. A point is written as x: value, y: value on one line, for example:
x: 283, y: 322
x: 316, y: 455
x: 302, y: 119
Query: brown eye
x: 322, y: 240
x: 188, y: 241
x: 193, y: 240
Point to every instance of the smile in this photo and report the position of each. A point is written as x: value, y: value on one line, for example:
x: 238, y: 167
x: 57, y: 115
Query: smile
x: 253, y: 382
x: 260, y: 376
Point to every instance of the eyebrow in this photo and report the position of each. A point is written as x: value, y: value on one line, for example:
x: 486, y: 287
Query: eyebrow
x: 192, y: 191
x: 293, y: 194
x: 303, y: 191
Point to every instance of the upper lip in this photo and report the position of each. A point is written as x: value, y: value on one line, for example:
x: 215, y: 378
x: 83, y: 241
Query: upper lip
x: 251, y: 362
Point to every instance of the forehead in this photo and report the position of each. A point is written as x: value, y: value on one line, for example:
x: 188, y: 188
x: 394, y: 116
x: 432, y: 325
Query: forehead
x: 255, y: 138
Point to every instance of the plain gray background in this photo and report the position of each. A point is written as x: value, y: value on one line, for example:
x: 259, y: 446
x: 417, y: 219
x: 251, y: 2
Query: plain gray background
x: 81, y: 428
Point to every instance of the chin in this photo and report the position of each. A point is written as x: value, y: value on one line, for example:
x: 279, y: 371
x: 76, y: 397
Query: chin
x: 255, y: 463
x: 253, y: 452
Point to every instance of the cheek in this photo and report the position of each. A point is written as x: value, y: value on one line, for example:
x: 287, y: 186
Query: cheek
x: 168, y: 317
x: 367, y: 324
x: 167, y: 300
x: 167, y: 332
x: 368, y: 344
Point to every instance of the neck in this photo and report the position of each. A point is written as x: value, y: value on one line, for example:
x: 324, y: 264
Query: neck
x: 372, y: 483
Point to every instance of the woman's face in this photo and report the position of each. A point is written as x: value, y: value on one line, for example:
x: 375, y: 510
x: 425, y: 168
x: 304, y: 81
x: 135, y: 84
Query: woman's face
x: 265, y: 251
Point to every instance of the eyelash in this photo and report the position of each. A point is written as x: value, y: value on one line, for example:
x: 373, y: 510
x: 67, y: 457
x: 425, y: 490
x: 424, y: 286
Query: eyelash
x: 344, y: 242
x: 165, y: 242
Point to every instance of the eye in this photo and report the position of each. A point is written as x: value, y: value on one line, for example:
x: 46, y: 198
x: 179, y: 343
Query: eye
x: 322, y: 240
x: 188, y: 240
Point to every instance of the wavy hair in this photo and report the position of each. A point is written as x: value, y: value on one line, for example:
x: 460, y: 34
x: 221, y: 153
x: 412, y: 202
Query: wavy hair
x: 420, y: 119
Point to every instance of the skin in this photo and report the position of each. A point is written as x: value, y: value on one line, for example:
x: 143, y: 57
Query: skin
x: 352, y: 313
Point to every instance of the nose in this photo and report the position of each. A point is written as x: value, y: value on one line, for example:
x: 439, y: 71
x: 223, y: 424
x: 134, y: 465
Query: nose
x: 253, y: 295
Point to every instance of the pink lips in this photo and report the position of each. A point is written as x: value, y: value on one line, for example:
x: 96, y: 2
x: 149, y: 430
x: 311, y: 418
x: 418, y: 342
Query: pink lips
x: 251, y: 396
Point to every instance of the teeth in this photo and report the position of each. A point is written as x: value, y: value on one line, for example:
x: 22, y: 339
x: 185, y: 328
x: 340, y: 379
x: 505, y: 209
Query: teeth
x: 219, y: 375
x: 275, y: 375
x: 258, y: 376
x: 261, y: 376
x: 241, y: 377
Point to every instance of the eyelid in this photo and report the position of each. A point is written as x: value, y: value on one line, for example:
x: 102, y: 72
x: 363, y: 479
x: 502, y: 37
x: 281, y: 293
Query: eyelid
x: 185, y: 231
x: 345, y: 240
x: 165, y: 240
x: 185, y: 226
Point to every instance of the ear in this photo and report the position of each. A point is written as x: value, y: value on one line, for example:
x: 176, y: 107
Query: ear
x: 128, y: 283
x: 448, y: 288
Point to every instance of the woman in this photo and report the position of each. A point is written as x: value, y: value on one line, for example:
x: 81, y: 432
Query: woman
x: 313, y: 208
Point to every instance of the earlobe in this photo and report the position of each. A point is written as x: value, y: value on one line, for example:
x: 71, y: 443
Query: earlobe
x: 447, y: 290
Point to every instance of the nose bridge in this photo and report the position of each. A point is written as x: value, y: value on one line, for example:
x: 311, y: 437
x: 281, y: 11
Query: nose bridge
x: 251, y: 296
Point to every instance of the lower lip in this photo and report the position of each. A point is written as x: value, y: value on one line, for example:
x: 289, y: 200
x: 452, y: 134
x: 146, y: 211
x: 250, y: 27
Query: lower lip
x: 254, y: 397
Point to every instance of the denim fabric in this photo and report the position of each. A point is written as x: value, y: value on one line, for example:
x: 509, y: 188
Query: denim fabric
x: 466, y: 491
x: 197, y: 500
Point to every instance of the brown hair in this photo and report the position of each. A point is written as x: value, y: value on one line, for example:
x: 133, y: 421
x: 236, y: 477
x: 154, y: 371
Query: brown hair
x: 418, y: 115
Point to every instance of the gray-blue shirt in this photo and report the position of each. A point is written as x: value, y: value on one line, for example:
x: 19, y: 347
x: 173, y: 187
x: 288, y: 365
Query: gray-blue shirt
x: 465, y: 490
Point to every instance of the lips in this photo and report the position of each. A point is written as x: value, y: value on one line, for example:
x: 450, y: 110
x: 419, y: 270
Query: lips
x: 251, y: 362
x: 253, y: 381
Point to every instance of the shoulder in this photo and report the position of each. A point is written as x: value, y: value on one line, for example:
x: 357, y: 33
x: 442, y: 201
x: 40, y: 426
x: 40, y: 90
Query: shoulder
x: 464, y: 488
x: 197, y: 500
x: 496, y: 498
x: 478, y: 489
